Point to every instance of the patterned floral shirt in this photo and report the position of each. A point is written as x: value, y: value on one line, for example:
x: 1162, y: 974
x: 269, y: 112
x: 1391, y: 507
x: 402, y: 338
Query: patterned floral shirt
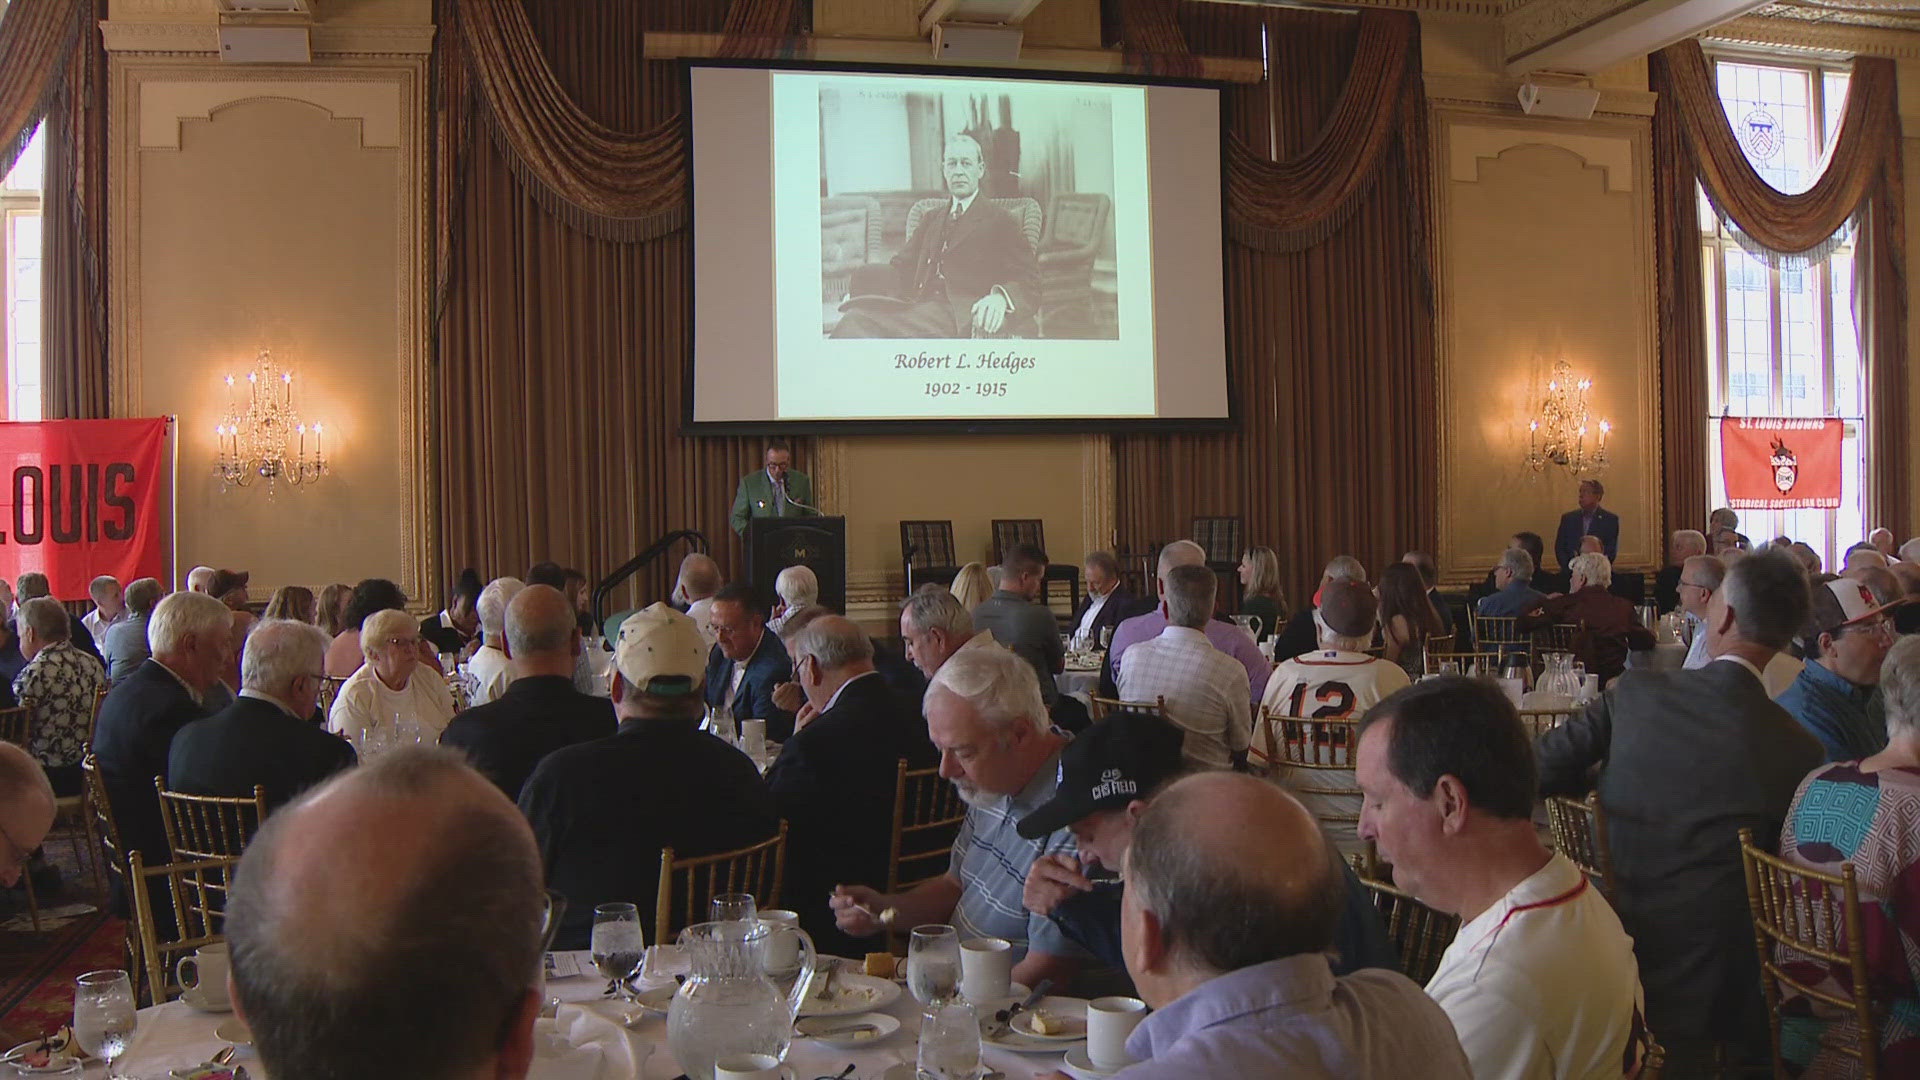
x: 63, y: 682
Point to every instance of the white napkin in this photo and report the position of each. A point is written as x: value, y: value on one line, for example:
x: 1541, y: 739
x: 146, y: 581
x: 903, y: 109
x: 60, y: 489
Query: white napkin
x: 579, y: 1044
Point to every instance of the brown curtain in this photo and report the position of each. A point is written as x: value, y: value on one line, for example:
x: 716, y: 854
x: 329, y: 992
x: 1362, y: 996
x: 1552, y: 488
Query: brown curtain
x: 1684, y: 447
x: 36, y: 43
x: 1863, y: 173
x: 560, y: 352
x: 73, y: 310
x: 1330, y: 344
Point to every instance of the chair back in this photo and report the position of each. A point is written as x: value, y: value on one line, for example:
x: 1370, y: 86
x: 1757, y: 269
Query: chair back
x: 197, y: 891
x: 1579, y: 828
x: 1560, y: 637
x: 329, y: 689
x: 1802, y: 914
x: 1098, y: 707
x: 209, y: 826
x: 1471, y: 663
x: 687, y: 886
x: 1076, y: 224
x: 1221, y: 537
x: 1540, y: 721
x: 1297, y: 747
x: 1441, y: 643
x: 927, y: 812
x: 1418, y: 931
x: 927, y: 544
x: 850, y: 232
x: 93, y: 725
x: 1008, y: 532
x: 104, y: 831
x: 16, y: 725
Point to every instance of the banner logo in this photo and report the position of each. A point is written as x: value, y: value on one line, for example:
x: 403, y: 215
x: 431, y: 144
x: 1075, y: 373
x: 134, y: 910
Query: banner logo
x: 1786, y: 468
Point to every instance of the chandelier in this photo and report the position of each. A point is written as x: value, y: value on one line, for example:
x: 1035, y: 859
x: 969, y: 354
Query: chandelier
x: 1562, y: 431
x: 262, y: 437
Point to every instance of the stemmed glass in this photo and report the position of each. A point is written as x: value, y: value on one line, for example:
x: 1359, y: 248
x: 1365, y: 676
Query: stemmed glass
x: 734, y: 907
x: 103, y: 1015
x: 949, y: 1043
x: 618, y: 946
x: 933, y: 964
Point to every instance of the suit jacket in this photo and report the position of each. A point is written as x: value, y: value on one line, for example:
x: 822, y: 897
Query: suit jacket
x: 254, y: 742
x: 507, y: 737
x: 1121, y: 605
x: 1688, y: 758
x: 768, y: 667
x: 961, y: 261
x: 126, y: 643
x: 1666, y: 589
x: 133, y: 741
x: 755, y: 498
x: 1606, y: 526
x: 833, y: 783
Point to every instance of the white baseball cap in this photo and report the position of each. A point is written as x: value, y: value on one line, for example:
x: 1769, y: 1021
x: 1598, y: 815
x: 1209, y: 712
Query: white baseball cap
x: 660, y: 650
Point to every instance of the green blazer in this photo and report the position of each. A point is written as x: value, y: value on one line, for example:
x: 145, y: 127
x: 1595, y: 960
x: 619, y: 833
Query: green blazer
x: 755, y: 498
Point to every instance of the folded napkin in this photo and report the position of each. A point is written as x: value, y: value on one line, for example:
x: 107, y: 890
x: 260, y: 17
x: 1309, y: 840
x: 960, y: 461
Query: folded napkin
x: 580, y: 1044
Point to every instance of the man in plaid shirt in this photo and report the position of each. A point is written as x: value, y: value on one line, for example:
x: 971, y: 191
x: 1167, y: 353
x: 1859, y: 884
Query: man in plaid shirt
x: 1205, y: 689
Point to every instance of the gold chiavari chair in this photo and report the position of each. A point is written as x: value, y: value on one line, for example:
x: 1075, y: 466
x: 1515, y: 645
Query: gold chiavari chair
x: 687, y: 886
x: 1579, y: 829
x: 329, y: 689
x: 1492, y: 630
x: 197, y: 890
x: 1314, y: 758
x: 1102, y: 706
x: 16, y: 725
x: 1540, y: 721
x: 99, y: 699
x: 1559, y: 637
x: 1486, y: 664
x: 105, y: 832
x: 209, y: 826
x: 1441, y: 643
x: 1803, y: 913
x: 927, y: 812
x: 1418, y: 931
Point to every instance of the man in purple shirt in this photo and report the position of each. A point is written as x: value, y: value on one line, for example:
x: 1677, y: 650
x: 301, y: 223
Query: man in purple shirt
x: 1230, y: 907
x: 1226, y: 637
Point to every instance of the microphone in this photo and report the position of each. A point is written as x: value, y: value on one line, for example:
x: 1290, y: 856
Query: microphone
x: 788, y: 495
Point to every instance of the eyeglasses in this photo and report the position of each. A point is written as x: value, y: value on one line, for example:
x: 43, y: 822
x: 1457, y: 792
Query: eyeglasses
x: 1697, y: 585
x: 404, y: 642
x: 1880, y: 627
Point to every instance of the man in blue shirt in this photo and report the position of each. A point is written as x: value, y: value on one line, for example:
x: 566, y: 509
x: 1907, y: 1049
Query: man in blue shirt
x: 1514, y: 594
x: 1851, y: 633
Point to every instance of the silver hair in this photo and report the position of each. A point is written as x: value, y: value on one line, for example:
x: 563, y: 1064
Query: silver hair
x: 493, y: 606
x: 834, y: 643
x: 104, y: 585
x: 533, y: 636
x: 31, y: 584
x: 1592, y: 568
x: 1900, y: 685
x: 1000, y: 686
x: 278, y: 651
x: 1694, y: 539
x: 798, y: 586
x: 1190, y: 593
x: 1518, y: 562
x: 142, y: 594
x: 1346, y: 568
x: 1711, y: 570
x: 1862, y: 558
x: 47, y: 618
x: 200, y: 578
x: 1179, y: 553
x: 934, y: 608
x: 380, y: 626
x: 186, y: 614
x: 1910, y: 551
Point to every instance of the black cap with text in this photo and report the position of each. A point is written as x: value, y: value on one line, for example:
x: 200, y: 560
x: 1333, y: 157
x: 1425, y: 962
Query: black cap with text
x: 1126, y: 756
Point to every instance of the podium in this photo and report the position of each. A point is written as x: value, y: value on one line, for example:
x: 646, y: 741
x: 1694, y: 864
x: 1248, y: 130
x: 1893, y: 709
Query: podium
x: 818, y: 543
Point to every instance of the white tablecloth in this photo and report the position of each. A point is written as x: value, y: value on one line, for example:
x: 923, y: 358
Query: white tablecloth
x: 174, y: 1036
x: 1667, y: 656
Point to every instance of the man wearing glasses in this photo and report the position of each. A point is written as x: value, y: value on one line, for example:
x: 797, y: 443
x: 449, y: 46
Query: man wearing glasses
x: 26, y: 811
x: 1846, y: 640
x: 1700, y: 578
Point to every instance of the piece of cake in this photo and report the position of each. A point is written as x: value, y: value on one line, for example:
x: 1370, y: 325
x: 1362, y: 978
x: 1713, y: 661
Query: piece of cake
x: 880, y: 965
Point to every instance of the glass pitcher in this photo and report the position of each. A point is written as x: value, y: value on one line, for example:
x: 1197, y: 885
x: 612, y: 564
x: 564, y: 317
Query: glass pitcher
x: 1249, y: 623
x: 729, y: 1005
x: 1557, y: 680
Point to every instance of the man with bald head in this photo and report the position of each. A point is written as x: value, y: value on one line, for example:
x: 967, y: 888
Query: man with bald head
x: 542, y: 710
x: 1231, y: 901
x: 1225, y: 636
x: 389, y: 924
x: 26, y: 811
x: 833, y: 781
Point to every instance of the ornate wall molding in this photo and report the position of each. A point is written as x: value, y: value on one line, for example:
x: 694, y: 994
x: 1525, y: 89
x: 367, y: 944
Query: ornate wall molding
x: 1827, y: 38
x: 1529, y: 26
x: 1470, y: 144
x: 374, y: 102
x: 1458, y: 88
x: 123, y: 36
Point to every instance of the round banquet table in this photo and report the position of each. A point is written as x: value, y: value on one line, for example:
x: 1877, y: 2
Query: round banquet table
x: 175, y: 1036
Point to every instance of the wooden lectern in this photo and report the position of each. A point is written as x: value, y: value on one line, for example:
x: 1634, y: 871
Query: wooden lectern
x: 819, y: 543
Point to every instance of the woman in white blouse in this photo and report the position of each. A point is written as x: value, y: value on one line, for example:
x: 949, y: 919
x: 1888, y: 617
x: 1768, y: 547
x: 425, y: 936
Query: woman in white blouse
x: 393, y: 698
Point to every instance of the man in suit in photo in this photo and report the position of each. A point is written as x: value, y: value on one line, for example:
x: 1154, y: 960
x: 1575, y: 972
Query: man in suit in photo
x: 777, y: 490
x: 834, y: 779
x: 967, y: 271
x: 1591, y: 519
x: 747, y: 663
x: 1688, y: 759
x: 266, y: 737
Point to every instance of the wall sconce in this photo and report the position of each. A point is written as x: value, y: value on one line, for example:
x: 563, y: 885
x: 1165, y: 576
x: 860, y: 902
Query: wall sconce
x: 263, y: 439
x: 1562, y: 431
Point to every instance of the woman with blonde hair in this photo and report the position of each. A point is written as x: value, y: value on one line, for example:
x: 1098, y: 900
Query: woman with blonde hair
x: 393, y: 699
x: 1261, y: 598
x: 972, y: 585
x: 331, y: 613
x: 291, y: 602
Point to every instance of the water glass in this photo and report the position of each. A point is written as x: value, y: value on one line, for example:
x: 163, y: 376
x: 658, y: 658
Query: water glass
x: 733, y: 907
x: 949, y: 1043
x: 618, y: 945
x: 933, y: 964
x: 1106, y: 637
x: 103, y: 1015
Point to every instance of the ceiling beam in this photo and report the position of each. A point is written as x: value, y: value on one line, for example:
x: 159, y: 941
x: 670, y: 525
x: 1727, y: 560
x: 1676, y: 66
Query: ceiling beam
x: 1589, y: 36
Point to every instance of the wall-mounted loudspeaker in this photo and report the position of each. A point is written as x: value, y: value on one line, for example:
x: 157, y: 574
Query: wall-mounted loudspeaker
x: 265, y: 45
x: 1552, y: 99
x: 976, y: 43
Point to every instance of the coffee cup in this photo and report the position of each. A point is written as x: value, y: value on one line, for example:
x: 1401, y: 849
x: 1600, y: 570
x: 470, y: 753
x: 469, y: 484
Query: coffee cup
x: 1109, y: 1021
x: 782, y: 944
x: 986, y: 969
x: 747, y: 1067
x: 204, y: 976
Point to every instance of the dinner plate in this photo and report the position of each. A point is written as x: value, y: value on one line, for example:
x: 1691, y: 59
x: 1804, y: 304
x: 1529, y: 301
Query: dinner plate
x: 885, y: 1025
x: 11, y: 1056
x: 658, y: 998
x: 853, y: 993
x: 1021, y: 1040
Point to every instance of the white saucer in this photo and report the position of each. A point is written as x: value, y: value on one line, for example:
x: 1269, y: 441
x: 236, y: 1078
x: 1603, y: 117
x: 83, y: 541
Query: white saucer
x: 1081, y: 1067
x: 235, y: 1032
x: 199, y: 1004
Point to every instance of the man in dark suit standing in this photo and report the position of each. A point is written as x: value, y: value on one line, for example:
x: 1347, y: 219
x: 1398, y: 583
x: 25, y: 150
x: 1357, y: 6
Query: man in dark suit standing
x: 265, y: 737
x: 1591, y: 519
x: 967, y: 271
x: 541, y: 710
x: 1689, y: 758
x: 834, y: 779
x: 746, y: 663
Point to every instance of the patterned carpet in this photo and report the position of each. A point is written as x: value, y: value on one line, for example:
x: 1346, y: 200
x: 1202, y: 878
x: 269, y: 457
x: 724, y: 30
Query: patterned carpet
x: 37, y: 969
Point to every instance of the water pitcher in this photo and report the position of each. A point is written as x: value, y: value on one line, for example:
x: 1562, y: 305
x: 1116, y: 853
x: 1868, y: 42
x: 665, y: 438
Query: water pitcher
x: 729, y: 1005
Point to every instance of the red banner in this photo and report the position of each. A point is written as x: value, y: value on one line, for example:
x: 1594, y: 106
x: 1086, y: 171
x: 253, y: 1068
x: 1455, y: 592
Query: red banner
x: 81, y: 498
x: 1776, y: 463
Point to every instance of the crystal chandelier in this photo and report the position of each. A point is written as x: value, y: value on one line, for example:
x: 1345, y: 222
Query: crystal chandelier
x: 1562, y: 431
x: 262, y: 437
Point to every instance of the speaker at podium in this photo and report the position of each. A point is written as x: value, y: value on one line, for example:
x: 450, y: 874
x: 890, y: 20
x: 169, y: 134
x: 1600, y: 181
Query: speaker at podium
x: 818, y: 543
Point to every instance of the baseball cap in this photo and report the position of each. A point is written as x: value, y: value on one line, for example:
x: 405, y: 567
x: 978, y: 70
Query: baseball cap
x: 1348, y: 607
x: 1122, y: 758
x: 1842, y: 602
x: 660, y: 650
